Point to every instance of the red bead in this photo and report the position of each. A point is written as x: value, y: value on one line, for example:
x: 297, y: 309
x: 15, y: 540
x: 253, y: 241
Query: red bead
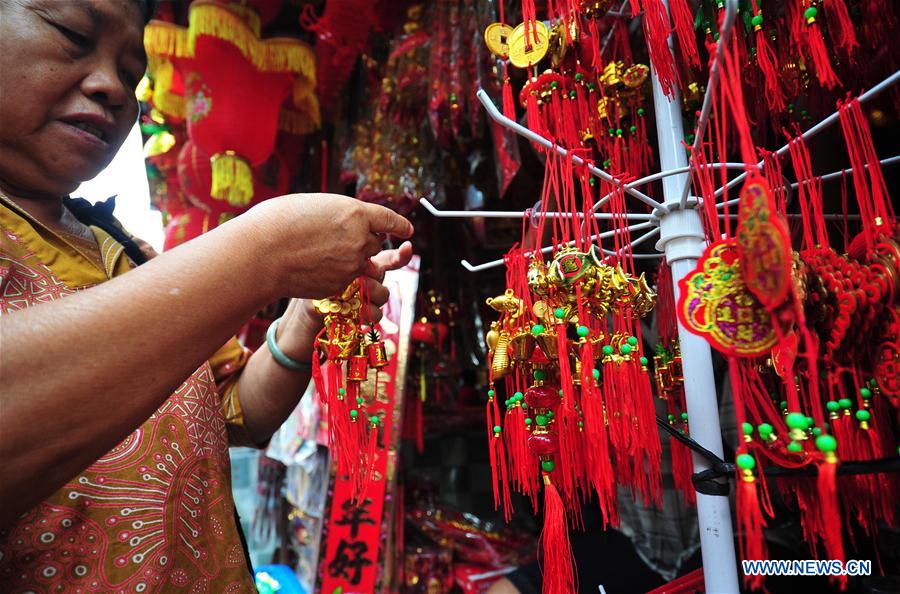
x: 543, y: 444
x: 541, y: 397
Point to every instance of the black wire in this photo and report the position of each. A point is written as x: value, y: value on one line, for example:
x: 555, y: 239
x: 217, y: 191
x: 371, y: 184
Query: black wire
x: 716, y: 462
x: 720, y: 468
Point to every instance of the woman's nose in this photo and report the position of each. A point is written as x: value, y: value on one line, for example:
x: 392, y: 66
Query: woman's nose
x: 104, y: 85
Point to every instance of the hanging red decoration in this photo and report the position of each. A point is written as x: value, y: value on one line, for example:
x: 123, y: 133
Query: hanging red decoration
x: 218, y: 49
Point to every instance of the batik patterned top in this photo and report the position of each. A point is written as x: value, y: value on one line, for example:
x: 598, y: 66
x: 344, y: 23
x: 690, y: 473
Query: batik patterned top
x: 155, y: 514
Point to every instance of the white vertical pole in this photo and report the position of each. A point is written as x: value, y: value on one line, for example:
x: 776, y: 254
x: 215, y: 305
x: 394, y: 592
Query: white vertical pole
x: 682, y: 240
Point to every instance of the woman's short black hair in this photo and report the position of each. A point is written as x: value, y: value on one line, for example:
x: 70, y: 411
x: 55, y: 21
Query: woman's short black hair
x: 147, y: 8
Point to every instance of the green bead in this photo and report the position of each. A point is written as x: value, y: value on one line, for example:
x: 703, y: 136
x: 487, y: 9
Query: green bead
x: 644, y: 361
x: 797, y: 421
x: 607, y: 349
x: 528, y: 421
x: 745, y: 462
x: 547, y: 465
x: 539, y: 374
x: 757, y: 20
x: 765, y: 430
x: 747, y: 428
x: 810, y: 13
x: 795, y: 447
x: 583, y: 331
x: 497, y: 429
x: 578, y: 76
x: 596, y: 373
x: 559, y: 312
x: 641, y: 111
x: 632, y: 340
x: 816, y: 431
x: 671, y: 418
x: 581, y: 423
x: 625, y: 349
x: 538, y: 329
x: 359, y: 400
x: 810, y: 422
x: 491, y: 393
x: 342, y: 391
x: 554, y: 85
x: 518, y: 396
x: 866, y: 393
x: 684, y: 416
x: 826, y: 443
x: 632, y: 129
x: 863, y: 415
x: 541, y: 420
x: 783, y: 405
x: 619, y: 131
x: 560, y: 392
x: 845, y: 403
x: 832, y: 406
x: 550, y: 415
x: 354, y: 413
x: 374, y: 419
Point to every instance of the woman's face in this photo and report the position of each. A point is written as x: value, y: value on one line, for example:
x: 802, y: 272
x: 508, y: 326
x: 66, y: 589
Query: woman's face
x: 68, y: 71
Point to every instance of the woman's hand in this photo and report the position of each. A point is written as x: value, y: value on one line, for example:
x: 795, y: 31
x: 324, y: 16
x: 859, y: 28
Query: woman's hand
x: 301, y: 322
x: 314, y: 245
x: 267, y: 391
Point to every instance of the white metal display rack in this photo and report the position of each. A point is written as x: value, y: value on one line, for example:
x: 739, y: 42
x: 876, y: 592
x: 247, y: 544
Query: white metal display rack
x: 678, y: 225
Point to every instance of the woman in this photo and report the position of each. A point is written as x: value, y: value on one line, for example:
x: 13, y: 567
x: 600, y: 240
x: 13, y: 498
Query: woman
x: 117, y: 399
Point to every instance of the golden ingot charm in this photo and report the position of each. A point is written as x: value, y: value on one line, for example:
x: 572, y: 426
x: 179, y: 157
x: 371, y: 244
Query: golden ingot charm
x: 635, y: 75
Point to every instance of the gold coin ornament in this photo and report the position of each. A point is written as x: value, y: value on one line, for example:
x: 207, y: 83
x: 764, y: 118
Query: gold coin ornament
x: 496, y: 36
x: 528, y: 51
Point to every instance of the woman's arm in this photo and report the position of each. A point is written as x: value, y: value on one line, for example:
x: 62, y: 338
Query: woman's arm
x: 79, y: 374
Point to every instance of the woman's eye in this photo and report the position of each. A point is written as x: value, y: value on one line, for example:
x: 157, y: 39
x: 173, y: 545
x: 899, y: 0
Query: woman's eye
x: 130, y: 79
x: 78, y: 39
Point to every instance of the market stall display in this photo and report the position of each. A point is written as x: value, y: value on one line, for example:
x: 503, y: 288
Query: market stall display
x: 670, y: 266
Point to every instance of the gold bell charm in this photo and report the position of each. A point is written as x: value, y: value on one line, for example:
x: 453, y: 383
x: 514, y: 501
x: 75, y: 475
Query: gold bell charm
x: 378, y: 357
x: 358, y: 368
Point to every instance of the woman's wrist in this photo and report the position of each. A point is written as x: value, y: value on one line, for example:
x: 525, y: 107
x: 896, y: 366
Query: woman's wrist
x: 297, y: 331
x: 257, y: 239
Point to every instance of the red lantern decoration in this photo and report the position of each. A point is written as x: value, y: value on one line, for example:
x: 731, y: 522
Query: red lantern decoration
x: 234, y: 86
x: 432, y: 333
x: 196, y: 177
x: 187, y: 225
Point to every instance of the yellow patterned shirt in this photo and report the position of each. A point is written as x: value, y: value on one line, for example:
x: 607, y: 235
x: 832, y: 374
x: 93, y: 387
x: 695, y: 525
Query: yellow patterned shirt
x: 155, y: 514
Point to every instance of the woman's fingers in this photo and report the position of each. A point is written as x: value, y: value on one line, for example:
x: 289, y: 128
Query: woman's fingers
x: 389, y: 260
x: 378, y: 294
x: 394, y: 259
x: 373, y: 314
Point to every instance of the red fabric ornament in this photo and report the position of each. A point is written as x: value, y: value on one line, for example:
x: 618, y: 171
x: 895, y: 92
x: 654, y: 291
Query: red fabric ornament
x: 342, y: 32
x: 235, y: 84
